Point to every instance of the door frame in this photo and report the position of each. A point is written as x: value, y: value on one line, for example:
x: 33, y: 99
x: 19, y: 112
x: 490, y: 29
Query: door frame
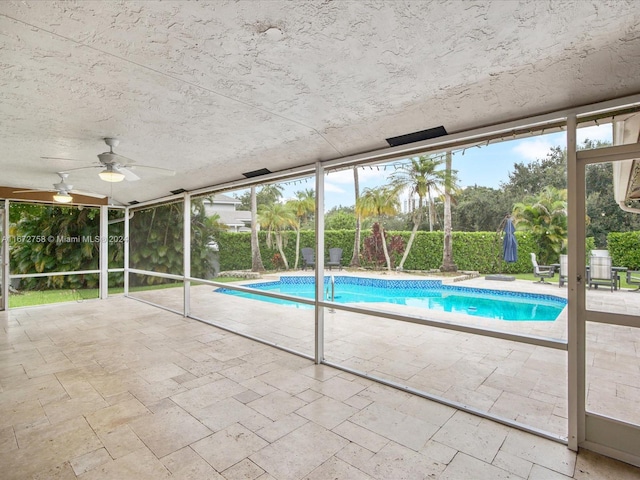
x: 593, y: 431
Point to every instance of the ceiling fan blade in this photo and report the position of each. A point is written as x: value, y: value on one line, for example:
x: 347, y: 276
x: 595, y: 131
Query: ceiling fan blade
x: 37, y: 190
x: 159, y: 170
x: 87, y: 194
x: 82, y: 168
x: 121, y: 159
x: 128, y: 174
x: 73, y: 192
x: 111, y: 158
x: 61, y: 158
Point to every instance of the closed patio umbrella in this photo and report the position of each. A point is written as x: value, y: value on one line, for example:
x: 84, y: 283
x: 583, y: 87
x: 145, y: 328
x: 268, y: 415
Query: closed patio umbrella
x: 509, y: 243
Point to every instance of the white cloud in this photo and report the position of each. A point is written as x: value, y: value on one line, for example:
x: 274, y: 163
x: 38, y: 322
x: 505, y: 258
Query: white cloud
x: 365, y: 174
x: 341, y: 176
x: 331, y: 188
x: 602, y: 133
x: 538, y: 147
x: 534, y: 148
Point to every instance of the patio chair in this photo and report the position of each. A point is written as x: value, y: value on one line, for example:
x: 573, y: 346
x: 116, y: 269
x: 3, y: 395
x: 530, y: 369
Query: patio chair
x: 308, y: 258
x: 601, y: 273
x: 633, y: 278
x: 564, y: 270
x: 542, y: 271
x: 335, y: 258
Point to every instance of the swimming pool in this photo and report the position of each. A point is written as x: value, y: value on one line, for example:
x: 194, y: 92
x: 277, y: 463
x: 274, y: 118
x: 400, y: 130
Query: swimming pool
x: 431, y: 294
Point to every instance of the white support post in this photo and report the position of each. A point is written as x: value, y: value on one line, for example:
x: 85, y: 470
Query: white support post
x: 4, y: 261
x: 104, y: 252
x: 319, y: 311
x: 127, y: 213
x: 187, y: 254
x: 576, y: 293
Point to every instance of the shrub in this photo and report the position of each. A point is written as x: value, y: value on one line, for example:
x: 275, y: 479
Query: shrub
x: 475, y: 251
x: 57, y: 239
x: 624, y: 249
x: 373, y: 253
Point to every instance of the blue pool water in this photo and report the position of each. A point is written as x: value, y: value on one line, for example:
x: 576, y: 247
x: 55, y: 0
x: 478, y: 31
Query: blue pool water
x: 431, y: 294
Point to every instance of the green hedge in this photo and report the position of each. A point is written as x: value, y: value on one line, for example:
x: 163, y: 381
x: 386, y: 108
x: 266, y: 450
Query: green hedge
x: 624, y: 249
x: 235, y: 248
x: 477, y: 251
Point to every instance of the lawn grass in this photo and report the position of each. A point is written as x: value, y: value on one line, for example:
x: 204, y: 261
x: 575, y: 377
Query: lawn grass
x: 555, y: 279
x: 44, y: 297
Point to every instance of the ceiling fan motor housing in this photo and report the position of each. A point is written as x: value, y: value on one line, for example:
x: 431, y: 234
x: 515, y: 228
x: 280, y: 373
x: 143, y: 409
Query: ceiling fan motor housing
x: 62, y: 187
x: 107, y: 158
x: 112, y: 142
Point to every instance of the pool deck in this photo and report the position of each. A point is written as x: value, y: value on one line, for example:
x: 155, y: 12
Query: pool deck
x: 120, y: 389
x: 521, y: 382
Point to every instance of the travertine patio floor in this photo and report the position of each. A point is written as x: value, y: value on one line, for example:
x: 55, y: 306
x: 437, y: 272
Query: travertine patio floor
x: 120, y: 389
x: 513, y: 380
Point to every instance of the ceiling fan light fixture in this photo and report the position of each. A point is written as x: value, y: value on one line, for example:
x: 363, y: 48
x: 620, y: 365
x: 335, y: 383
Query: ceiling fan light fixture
x: 62, y: 197
x: 111, y: 175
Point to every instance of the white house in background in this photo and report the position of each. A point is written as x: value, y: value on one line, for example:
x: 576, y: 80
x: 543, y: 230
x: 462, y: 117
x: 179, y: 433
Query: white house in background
x: 225, y: 206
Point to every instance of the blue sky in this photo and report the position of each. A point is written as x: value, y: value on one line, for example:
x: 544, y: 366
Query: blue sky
x: 486, y: 166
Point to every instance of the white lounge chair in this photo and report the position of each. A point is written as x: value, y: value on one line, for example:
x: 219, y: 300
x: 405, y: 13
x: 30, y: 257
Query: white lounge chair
x: 564, y: 270
x: 601, y: 272
x: 542, y: 271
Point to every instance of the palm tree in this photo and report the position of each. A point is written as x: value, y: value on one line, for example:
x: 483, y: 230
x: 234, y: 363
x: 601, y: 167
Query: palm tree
x: 422, y: 177
x: 268, y: 194
x: 545, y: 217
x: 378, y: 202
x: 302, y: 205
x: 447, y: 250
x: 256, y: 257
x: 355, y: 259
x: 276, y: 218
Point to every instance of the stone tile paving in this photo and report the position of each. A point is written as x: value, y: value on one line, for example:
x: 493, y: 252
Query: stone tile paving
x: 120, y: 389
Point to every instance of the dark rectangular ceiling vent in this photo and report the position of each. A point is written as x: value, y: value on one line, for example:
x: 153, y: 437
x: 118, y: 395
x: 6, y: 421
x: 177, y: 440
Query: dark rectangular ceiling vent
x: 417, y: 136
x: 134, y: 202
x: 257, y: 173
x: 180, y: 190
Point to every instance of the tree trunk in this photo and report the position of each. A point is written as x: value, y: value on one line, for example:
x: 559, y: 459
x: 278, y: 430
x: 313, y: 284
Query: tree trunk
x: 384, y: 247
x: 447, y: 252
x: 256, y: 258
x: 295, y: 266
x: 279, y: 242
x: 431, y: 208
x: 417, y: 219
x: 355, y: 258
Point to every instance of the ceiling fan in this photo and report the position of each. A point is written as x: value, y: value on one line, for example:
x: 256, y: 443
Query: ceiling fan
x: 62, y: 190
x: 115, y: 167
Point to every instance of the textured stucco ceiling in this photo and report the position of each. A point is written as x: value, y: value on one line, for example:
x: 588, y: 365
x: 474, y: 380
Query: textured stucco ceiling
x: 214, y: 89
